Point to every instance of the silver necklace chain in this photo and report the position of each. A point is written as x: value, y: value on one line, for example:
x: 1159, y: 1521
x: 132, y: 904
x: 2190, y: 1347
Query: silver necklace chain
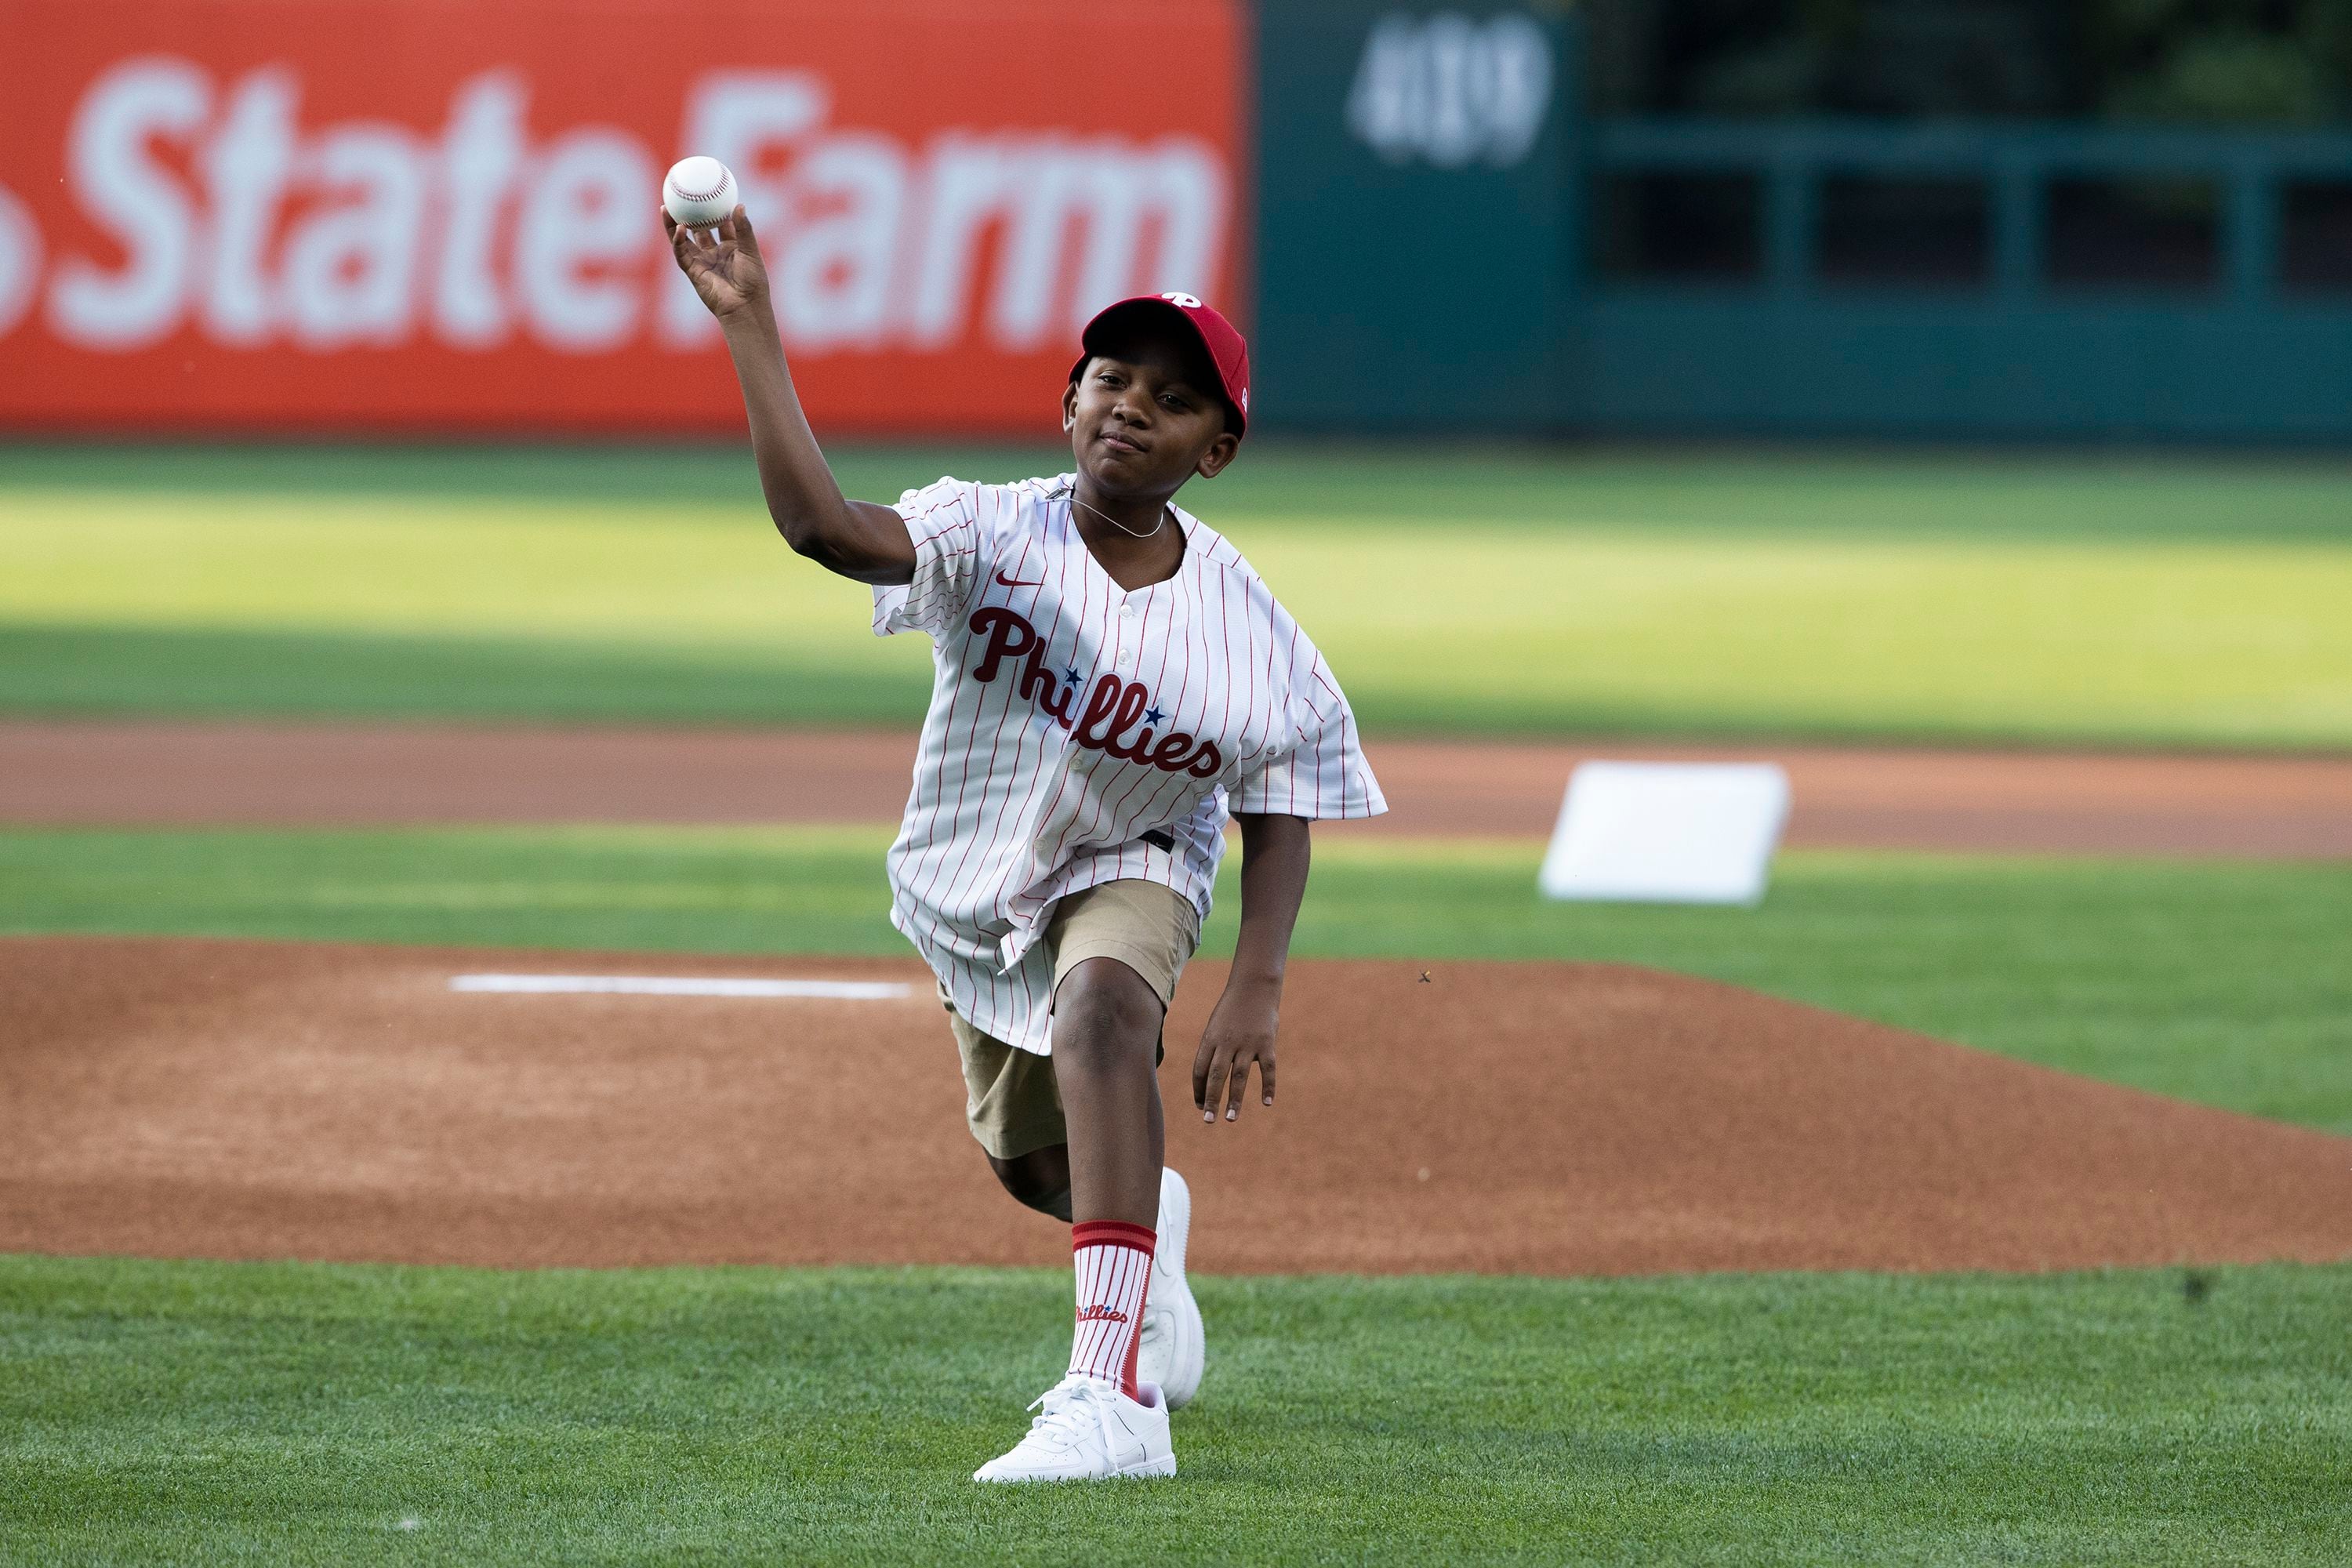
x: 1073, y: 496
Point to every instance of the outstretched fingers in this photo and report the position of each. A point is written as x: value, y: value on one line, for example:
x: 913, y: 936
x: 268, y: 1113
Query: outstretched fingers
x: 1220, y: 1073
x: 1237, y: 1086
x: 1208, y: 1070
x: 681, y: 241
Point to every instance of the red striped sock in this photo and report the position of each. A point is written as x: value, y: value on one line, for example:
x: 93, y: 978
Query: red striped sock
x: 1114, y: 1265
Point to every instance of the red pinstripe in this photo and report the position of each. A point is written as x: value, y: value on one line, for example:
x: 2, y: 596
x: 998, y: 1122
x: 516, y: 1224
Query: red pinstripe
x: 1007, y: 814
x: 1112, y: 1261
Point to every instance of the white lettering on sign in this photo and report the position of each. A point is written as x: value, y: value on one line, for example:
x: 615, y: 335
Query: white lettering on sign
x: 1049, y: 196
x: 833, y: 283
x: 135, y: 201
x: 752, y: 122
x: 481, y: 152
x: 584, y: 272
x: 214, y: 204
x: 246, y: 168
x: 349, y: 274
x: 1450, y: 91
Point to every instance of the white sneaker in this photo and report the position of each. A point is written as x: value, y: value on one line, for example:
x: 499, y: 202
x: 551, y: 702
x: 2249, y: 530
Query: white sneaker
x: 1171, y: 1354
x: 1088, y: 1431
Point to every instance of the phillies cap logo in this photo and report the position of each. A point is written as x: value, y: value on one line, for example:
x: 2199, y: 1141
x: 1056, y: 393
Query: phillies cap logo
x: 1189, y: 302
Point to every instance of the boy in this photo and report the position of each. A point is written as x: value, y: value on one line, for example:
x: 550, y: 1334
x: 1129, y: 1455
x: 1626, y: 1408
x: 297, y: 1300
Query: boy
x: 1110, y: 681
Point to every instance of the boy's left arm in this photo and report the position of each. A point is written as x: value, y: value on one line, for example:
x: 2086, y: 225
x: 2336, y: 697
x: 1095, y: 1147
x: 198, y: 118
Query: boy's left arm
x: 1275, y: 853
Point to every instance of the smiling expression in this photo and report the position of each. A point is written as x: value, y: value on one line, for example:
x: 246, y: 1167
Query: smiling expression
x: 1145, y: 417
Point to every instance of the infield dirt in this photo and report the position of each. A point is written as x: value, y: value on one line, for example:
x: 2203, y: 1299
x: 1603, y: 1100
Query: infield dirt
x: 251, y: 1100
x: 123, y: 773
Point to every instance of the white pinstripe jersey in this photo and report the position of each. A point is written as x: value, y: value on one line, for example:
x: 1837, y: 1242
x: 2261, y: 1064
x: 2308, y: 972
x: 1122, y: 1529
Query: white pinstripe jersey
x: 1079, y: 733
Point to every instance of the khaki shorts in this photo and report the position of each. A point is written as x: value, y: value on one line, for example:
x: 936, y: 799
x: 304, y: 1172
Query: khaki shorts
x: 1010, y: 1098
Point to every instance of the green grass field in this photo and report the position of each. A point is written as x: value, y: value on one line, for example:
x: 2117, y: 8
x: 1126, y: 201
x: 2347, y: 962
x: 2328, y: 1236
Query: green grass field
x: 193, y: 1412
x: 207, y: 1413
x: 291, y: 1413
x: 2214, y: 981
x: 2021, y: 599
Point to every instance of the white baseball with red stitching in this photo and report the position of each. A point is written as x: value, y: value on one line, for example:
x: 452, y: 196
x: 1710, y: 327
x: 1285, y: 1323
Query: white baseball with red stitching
x: 698, y: 192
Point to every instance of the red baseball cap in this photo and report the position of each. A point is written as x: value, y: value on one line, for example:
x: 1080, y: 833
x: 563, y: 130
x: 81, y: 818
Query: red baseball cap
x: 1217, y: 336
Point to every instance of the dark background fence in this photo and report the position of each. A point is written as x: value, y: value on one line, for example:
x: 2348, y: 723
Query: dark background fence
x: 1450, y: 238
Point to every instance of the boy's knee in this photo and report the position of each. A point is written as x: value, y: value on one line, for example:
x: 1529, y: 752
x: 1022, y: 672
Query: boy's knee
x: 1038, y: 1180
x: 1104, y: 1012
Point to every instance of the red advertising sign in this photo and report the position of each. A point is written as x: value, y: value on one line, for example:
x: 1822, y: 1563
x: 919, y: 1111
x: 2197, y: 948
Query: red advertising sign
x: 440, y: 215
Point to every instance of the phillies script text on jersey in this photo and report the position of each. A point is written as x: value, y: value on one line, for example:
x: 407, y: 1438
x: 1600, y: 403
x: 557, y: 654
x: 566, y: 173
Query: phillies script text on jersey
x: 1080, y: 732
x: 1113, y: 706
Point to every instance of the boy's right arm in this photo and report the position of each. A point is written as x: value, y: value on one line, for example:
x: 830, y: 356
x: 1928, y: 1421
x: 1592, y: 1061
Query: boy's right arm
x: 858, y: 539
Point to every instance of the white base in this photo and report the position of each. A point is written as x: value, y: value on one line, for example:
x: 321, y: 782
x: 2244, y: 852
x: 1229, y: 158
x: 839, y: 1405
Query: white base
x: 1682, y: 832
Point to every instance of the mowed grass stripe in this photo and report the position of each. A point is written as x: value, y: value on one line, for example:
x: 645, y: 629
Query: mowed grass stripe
x: 1734, y: 600
x: 1797, y: 490
x: 212, y: 1412
x: 77, y: 671
x: 2219, y: 982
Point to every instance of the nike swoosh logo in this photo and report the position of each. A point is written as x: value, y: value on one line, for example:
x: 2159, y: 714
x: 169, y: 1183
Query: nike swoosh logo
x: 1017, y: 581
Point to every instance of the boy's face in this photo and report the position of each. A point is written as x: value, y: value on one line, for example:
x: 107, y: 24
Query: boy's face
x: 1145, y: 417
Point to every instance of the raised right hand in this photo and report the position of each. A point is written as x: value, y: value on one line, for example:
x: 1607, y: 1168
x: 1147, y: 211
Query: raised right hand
x: 727, y: 272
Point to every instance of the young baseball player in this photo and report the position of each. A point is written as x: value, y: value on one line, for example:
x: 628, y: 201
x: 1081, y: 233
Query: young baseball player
x: 1110, y: 681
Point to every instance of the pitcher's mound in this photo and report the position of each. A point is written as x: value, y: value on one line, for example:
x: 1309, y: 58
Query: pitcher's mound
x: 249, y: 1099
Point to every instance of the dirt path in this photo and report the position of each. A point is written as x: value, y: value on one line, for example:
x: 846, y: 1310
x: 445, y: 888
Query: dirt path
x: 247, y: 1099
x: 187, y: 774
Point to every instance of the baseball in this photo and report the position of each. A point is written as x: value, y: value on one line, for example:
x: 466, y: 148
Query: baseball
x: 698, y: 192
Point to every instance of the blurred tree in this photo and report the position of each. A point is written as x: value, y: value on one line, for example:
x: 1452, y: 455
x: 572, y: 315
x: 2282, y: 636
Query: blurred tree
x: 2276, y: 62
x: 2223, y: 61
x: 1915, y: 57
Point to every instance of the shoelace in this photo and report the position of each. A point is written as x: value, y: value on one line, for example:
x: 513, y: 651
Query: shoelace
x: 1067, y: 1405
